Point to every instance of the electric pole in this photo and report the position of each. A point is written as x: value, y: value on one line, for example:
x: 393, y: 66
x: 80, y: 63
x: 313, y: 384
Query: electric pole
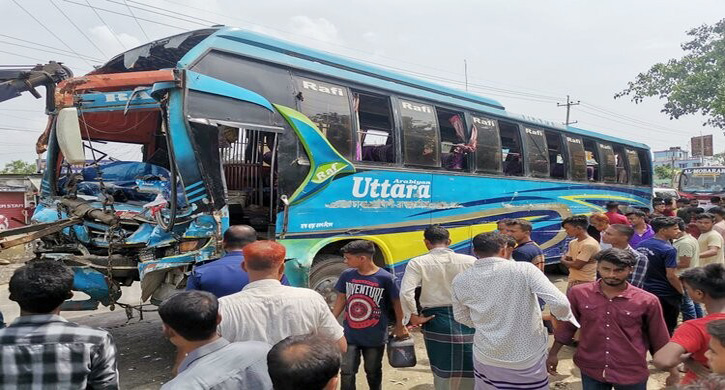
x: 568, y: 105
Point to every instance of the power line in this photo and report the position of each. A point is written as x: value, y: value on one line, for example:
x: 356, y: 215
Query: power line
x: 42, y: 45
x: 51, y: 32
x: 123, y: 14
x: 51, y: 51
x: 137, y: 21
x: 79, y: 29
x: 609, y: 112
x: 107, y: 25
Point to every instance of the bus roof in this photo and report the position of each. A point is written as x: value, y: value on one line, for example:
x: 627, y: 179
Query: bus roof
x: 266, y: 48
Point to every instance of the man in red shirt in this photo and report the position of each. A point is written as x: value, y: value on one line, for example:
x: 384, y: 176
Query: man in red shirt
x: 704, y: 285
x: 614, y: 216
x: 619, y: 324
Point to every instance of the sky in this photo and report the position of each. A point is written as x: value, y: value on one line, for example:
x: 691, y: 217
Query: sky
x: 528, y: 55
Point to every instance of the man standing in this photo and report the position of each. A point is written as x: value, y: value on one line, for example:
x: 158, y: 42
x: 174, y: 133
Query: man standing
x: 620, y: 323
x: 688, y: 254
x: 618, y: 236
x: 600, y: 223
x: 42, y: 350
x: 715, y: 201
x: 578, y: 258
x: 267, y: 311
x: 661, y: 278
x: 225, y: 276
x: 710, y: 241
x: 526, y: 249
x: 190, y: 320
x: 658, y: 208
x: 704, y: 285
x: 719, y: 214
x: 642, y: 231
x: 716, y: 352
x: 498, y: 298
x: 304, y: 362
x: 613, y: 214
x: 444, y: 337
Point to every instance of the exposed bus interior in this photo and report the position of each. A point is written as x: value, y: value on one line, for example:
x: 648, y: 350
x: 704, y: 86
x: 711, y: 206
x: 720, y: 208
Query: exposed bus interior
x: 557, y: 168
x: 593, y: 169
x: 375, y: 142
x: 249, y: 162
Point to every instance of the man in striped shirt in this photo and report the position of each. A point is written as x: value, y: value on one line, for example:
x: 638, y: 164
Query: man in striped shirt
x: 42, y: 350
x: 618, y: 236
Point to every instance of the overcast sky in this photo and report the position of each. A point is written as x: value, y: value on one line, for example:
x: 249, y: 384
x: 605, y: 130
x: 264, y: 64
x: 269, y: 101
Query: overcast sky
x: 528, y: 55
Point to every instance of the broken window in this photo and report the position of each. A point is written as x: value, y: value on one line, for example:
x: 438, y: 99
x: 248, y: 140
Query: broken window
x: 536, y: 152
x: 457, y: 145
x: 375, y: 142
x: 488, y: 146
x: 328, y: 106
x: 420, y: 134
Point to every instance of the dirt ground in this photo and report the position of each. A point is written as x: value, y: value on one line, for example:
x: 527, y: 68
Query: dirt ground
x: 145, y: 356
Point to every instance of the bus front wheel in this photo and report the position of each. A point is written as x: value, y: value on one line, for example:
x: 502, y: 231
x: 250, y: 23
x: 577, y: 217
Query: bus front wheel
x: 324, y: 275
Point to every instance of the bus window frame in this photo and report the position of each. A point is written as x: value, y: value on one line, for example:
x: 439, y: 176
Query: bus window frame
x: 526, y: 151
x: 570, y: 157
x: 520, y: 143
x: 394, y: 131
x: 401, y: 131
x: 602, y: 161
x: 629, y: 153
x: 498, y: 154
x: 564, y: 152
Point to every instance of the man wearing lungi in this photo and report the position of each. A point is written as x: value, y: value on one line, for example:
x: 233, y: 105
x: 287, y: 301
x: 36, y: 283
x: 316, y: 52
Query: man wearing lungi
x: 448, y: 343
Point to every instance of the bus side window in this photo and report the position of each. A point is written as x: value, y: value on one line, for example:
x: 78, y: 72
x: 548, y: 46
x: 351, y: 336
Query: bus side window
x: 608, y: 163
x: 577, y: 158
x: 328, y: 106
x: 511, y: 148
x: 634, y: 167
x: 593, y: 166
x: 536, y: 152
x: 421, y: 145
x: 456, y: 144
x: 620, y: 158
x: 645, y: 163
x: 374, y: 141
x: 557, y: 165
x: 488, y: 144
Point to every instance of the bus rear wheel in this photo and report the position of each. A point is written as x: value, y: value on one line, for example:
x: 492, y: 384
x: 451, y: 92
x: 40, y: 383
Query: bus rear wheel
x: 324, y: 275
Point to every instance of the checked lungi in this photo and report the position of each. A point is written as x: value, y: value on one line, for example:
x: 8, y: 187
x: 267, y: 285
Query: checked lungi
x: 449, y: 345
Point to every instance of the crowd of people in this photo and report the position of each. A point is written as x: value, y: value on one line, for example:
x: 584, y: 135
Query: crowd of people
x: 239, y: 325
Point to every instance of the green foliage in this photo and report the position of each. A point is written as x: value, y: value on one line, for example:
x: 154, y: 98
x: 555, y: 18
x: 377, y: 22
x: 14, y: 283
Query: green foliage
x: 692, y: 84
x: 665, y: 172
x: 19, y: 167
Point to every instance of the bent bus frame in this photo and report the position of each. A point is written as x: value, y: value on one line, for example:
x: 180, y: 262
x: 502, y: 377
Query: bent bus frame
x: 313, y: 150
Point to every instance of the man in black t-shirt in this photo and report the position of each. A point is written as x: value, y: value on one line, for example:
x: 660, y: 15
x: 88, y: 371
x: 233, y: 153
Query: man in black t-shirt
x: 526, y: 248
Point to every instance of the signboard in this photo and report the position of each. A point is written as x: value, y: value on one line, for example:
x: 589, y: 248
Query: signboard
x: 702, y: 146
x: 11, y: 210
x: 705, y: 171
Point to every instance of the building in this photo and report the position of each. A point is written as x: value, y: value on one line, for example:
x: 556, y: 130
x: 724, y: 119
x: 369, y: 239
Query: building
x: 16, y: 193
x: 678, y: 158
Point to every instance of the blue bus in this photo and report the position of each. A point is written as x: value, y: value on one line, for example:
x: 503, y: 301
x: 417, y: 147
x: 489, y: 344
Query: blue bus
x: 311, y: 149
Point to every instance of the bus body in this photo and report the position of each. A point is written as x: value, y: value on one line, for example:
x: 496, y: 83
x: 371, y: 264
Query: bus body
x: 701, y: 183
x: 311, y: 149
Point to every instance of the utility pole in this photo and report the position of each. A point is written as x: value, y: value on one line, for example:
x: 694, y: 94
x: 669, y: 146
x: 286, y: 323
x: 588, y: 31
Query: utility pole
x: 465, y: 72
x: 568, y: 105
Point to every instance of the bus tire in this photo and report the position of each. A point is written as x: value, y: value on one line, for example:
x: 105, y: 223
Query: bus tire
x: 324, y: 275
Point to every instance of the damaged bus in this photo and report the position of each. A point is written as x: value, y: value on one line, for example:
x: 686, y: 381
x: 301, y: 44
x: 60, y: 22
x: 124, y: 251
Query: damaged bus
x: 151, y: 156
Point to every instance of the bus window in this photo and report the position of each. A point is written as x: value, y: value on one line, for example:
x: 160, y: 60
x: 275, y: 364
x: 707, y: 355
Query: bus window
x: 557, y: 166
x: 634, y: 168
x: 537, y: 154
x: 593, y: 167
x: 456, y: 143
x: 488, y: 145
x: 577, y: 158
x: 375, y: 128
x: 608, y: 163
x: 619, y: 158
x: 511, y: 149
x: 644, y: 162
x: 328, y: 106
x: 420, y: 134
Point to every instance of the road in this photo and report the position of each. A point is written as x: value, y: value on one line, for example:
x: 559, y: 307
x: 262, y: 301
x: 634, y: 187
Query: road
x: 145, y: 356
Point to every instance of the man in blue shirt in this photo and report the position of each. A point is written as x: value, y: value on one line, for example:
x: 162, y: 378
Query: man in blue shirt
x: 661, y: 278
x: 225, y: 276
x: 526, y: 249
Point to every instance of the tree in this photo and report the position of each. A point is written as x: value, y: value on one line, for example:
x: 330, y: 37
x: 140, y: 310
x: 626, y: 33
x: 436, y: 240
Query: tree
x: 19, y: 167
x: 665, y: 172
x: 692, y: 84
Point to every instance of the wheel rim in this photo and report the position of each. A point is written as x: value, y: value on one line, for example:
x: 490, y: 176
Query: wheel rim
x: 326, y: 288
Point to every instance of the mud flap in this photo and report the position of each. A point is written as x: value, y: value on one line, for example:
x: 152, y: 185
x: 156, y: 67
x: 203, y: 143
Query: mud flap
x: 96, y: 285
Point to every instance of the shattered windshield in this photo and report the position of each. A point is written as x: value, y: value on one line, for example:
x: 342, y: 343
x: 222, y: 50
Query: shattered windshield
x: 708, y: 180
x: 161, y: 54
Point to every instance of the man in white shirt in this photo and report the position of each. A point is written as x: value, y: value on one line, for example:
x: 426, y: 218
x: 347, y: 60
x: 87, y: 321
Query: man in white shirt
x: 267, y: 311
x: 498, y: 298
x: 444, y: 337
